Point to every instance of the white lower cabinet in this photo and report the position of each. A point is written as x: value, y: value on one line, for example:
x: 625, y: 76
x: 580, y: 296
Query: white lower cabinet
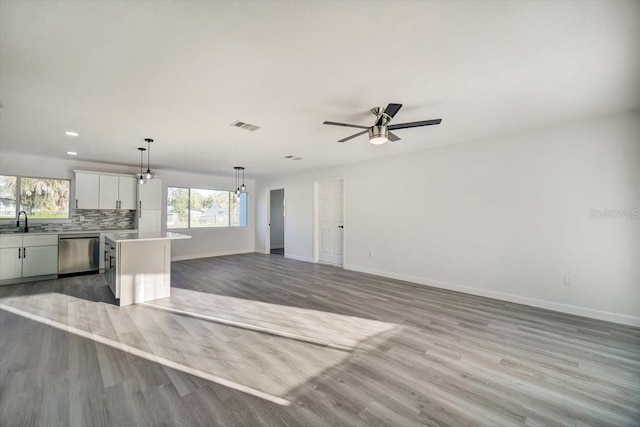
x: 39, y: 260
x: 10, y: 263
x: 110, y: 266
x: 28, y: 256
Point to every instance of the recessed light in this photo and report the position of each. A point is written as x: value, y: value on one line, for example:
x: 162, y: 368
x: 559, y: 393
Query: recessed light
x: 72, y: 153
x: 71, y: 133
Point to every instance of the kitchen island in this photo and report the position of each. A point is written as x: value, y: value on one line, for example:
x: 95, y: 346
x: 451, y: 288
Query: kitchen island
x: 138, y: 265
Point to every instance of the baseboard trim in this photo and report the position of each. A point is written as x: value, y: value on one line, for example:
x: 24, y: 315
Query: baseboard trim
x: 211, y: 254
x: 533, y: 302
x: 260, y: 251
x: 299, y: 258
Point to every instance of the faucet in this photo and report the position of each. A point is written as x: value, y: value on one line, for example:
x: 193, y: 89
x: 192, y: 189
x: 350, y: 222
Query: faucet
x: 26, y: 221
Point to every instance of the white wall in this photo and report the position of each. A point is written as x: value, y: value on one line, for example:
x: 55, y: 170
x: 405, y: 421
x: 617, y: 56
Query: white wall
x: 204, y: 242
x: 505, y: 219
x: 277, y: 219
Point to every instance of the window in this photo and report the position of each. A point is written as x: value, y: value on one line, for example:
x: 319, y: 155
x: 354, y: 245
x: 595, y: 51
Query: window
x: 40, y: 198
x: 200, y: 208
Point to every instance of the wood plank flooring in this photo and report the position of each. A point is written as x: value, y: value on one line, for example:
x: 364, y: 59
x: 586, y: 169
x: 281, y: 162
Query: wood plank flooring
x: 261, y: 340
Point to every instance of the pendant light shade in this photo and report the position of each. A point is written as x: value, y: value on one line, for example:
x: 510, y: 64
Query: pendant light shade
x: 141, y: 179
x: 240, y: 188
x: 149, y: 174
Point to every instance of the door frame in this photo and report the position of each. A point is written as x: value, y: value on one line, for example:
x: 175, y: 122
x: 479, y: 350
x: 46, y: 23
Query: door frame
x: 267, y: 233
x: 316, y: 218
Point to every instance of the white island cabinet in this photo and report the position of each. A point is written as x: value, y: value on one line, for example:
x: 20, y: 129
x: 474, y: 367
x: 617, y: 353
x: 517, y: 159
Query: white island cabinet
x: 138, y: 266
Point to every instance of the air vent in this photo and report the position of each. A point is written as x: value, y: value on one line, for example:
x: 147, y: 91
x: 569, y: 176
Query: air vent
x: 246, y: 126
x: 292, y: 157
x: 288, y: 157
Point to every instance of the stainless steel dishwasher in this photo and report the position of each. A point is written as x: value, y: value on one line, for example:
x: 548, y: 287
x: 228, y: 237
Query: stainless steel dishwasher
x: 78, y: 254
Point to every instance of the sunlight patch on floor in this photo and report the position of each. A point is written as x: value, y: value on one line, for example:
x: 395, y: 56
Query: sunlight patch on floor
x: 262, y: 349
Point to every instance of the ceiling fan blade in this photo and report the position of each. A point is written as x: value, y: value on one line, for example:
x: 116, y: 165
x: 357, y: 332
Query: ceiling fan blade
x: 354, y: 135
x: 393, y: 137
x: 414, y: 124
x: 391, y: 111
x: 345, y: 125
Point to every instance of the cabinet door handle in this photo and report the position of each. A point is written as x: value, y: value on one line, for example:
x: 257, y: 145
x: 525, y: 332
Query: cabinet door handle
x: 24, y: 253
x: 19, y: 256
x: 110, y: 262
x: 105, y: 255
x: 76, y: 203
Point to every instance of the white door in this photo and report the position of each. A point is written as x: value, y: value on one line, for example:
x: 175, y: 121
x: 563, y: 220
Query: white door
x: 108, y: 192
x: 87, y: 187
x: 39, y: 260
x: 10, y: 263
x: 331, y: 215
x: 127, y: 192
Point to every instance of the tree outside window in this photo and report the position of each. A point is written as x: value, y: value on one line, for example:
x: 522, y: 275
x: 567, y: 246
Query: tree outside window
x: 199, y: 208
x: 40, y: 198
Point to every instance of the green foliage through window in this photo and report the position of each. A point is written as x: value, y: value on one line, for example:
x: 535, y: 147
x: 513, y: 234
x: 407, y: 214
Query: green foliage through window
x: 194, y: 208
x: 40, y: 198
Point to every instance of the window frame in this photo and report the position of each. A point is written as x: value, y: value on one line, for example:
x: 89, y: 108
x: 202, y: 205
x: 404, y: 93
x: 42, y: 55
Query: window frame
x: 189, y: 227
x: 37, y: 220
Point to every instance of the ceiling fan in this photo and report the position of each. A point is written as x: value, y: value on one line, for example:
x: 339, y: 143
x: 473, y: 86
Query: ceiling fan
x: 380, y: 133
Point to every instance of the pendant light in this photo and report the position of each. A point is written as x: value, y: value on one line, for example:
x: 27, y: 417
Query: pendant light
x: 149, y: 175
x: 239, y: 189
x: 141, y: 177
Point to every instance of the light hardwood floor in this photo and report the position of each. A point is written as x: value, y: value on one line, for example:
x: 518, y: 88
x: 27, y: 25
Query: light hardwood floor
x: 252, y: 340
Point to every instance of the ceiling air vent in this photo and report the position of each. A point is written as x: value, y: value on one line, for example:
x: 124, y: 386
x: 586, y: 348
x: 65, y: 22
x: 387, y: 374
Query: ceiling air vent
x: 246, y: 126
x: 292, y: 157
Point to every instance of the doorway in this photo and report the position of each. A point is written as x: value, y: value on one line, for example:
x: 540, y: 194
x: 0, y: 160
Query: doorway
x: 329, y: 221
x: 276, y: 221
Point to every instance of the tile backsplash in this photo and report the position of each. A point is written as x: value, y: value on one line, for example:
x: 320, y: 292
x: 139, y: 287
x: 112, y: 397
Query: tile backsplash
x: 83, y: 219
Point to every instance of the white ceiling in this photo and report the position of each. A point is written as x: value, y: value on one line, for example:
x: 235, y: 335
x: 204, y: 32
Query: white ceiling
x: 182, y: 72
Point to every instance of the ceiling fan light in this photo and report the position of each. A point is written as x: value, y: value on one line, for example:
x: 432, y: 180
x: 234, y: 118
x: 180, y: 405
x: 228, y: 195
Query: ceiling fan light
x: 378, y: 135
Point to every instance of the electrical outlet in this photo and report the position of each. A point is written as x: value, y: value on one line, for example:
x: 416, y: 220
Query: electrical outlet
x: 568, y: 281
x: 370, y: 253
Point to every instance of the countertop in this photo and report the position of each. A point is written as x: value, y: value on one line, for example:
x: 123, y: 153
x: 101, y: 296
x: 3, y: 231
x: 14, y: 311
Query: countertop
x: 137, y: 237
x: 42, y: 233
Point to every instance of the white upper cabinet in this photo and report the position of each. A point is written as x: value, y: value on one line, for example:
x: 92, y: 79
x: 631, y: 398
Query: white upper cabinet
x: 105, y: 191
x: 108, y: 192
x: 150, y: 194
x: 87, y: 186
x: 127, y: 192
